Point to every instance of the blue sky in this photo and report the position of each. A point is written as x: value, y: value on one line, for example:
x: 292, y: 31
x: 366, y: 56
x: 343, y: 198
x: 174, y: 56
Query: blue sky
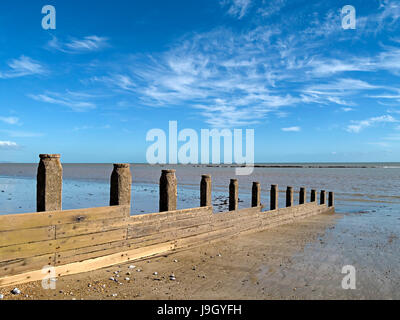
x: 113, y: 70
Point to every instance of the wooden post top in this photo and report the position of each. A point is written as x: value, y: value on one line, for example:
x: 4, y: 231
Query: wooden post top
x: 49, y: 156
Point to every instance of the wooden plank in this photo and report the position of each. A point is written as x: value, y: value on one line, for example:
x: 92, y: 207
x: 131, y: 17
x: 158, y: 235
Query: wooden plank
x: 138, y: 230
x: 89, y: 265
x: 13, y: 267
x: 8, y: 238
x: 204, y: 237
x: 177, y: 214
x: 41, y: 219
x: 87, y: 227
x: 91, y: 253
x: 194, y: 230
x: 58, y: 245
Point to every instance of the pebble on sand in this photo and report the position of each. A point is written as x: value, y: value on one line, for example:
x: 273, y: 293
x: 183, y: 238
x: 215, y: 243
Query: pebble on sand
x: 132, y: 267
x: 172, y: 277
x: 16, y: 291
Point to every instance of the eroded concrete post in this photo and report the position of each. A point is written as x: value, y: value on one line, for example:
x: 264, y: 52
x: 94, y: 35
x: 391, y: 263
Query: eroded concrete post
x: 331, y: 199
x: 256, y: 195
x: 289, y: 196
x: 274, y: 197
x: 168, y: 191
x: 49, y: 183
x: 233, y: 195
x: 313, y: 195
x: 303, y: 195
x: 121, y: 184
x: 205, y: 191
x: 322, y: 199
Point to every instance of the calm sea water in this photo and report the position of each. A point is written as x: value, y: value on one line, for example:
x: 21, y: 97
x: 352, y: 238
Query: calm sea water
x: 358, y: 187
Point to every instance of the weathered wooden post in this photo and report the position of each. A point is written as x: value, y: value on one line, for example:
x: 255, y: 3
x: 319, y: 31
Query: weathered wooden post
x: 168, y: 191
x: 256, y: 194
x: 303, y: 195
x: 313, y: 195
x: 49, y: 183
x: 121, y: 184
x: 331, y: 199
x: 233, y: 195
x: 274, y: 197
x: 289, y: 196
x: 322, y: 197
x: 205, y: 191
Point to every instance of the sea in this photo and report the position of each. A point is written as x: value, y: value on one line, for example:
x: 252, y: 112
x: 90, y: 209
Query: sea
x: 358, y: 187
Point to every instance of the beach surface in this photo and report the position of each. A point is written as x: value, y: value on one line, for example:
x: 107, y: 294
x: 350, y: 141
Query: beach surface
x: 303, y: 260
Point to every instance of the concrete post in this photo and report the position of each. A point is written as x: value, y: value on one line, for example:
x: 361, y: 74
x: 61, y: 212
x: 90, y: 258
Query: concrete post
x: 168, y: 191
x: 303, y: 195
x: 313, y: 195
x: 233, y: 195
x: 331, y: 199
x: 49, y: 183
x: 205, y: 191
x: 256, y: 195
x: 274, y: 196
x: 121, y: 184
x: 322, y: 199
x: 289, y: 196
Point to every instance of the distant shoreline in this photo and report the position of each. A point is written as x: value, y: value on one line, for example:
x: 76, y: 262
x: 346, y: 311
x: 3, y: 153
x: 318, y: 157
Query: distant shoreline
x: 299, y: 165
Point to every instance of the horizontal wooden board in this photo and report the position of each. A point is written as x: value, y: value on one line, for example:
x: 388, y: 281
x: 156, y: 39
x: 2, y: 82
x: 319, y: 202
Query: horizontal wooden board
x: 88, y: 227
x: 26, y: 264
x: 58, y: 245
x: 177, y: 214
x: 8, y: 238
x: 89, y: 265
x: 114, y: 247
x: 145, y: 229
x: 41, y: 219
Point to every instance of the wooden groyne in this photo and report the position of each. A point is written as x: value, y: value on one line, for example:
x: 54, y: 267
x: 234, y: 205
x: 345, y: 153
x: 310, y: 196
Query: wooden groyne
x: 74, y: 241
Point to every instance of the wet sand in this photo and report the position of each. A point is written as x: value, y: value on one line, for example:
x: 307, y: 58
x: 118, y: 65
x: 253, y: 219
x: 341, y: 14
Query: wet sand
x: 302, y: 260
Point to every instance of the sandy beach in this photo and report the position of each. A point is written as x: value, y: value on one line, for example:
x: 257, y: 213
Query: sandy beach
x: 302, y: 260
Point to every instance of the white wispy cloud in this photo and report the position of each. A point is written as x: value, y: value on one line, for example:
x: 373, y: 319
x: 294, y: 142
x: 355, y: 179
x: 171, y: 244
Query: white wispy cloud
x: 88, y: 127
x: 237, y: 8
x: 77, y: 101
x: 86, y: 44
x: 335, y: 91
x: 291, y: 129
x: 328, y: 67
x: 22, y: 134
x: 380, y: 144
x: 10, y: 120
x: 271, y: 7
x: 359, y: 125
x: 124, y: 82
x: 23, y: 66
x: 234, y: 78
x: 7, y: 145
x: 345, y: 109
x: 221, y: 74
